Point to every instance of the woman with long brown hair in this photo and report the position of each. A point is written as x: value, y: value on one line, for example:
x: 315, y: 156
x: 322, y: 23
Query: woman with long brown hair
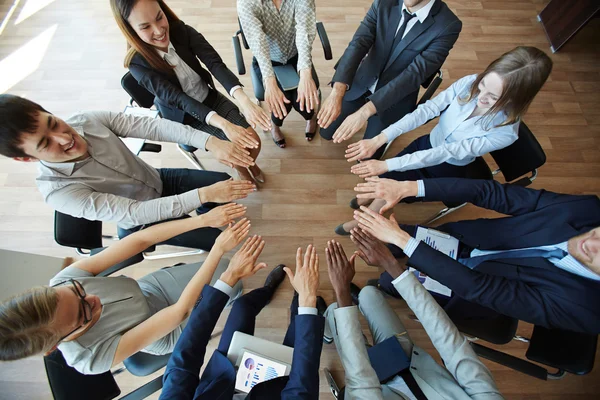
x: 478, y: 114
x: 164, y: 57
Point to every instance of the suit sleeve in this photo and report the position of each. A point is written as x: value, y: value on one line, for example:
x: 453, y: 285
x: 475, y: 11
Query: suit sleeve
x: 458, y: 355
x: 209, y: 57
x: 304, y: 376
x: 361, y: 379
x: 167, y: 92
x: 503, y: 198
x: 182, y: 374
x: 358, y: 48
x: 423, y: 66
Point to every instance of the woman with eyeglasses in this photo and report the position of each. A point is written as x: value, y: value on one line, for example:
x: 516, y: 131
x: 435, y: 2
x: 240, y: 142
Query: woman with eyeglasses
x: 97, y: 322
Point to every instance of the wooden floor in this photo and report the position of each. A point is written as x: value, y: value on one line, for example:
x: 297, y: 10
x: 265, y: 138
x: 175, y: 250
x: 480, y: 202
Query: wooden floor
x: 67, y: 55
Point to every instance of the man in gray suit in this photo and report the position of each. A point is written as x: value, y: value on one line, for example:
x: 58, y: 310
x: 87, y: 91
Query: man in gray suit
x: 398, y: 46
x: 464, y: 375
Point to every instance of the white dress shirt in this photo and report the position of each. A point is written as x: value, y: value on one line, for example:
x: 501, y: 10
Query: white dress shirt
x: 456, y: 139
x: 421, y: 14
x: 191, y: 83
x: 113, y: 184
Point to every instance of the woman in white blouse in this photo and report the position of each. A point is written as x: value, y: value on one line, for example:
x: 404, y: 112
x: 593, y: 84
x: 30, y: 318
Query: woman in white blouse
x: 478, y: 114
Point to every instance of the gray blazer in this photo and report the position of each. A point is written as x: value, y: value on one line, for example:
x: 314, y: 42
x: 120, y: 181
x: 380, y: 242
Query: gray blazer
x: 417, y: 57
x: 465, y: 376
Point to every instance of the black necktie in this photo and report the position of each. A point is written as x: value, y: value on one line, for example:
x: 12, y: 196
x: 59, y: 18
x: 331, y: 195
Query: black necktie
x: 407, y: 17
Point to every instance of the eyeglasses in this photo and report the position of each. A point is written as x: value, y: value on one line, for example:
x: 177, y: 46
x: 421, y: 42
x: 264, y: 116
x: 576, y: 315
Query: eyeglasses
x: 86, y: 307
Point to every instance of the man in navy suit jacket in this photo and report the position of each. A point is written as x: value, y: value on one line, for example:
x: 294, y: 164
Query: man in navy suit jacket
x: 397, y: 47
x: 305, y: 334
x: 553, y: 281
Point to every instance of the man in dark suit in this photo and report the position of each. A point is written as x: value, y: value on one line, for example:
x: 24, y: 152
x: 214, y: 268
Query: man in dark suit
x: 305, y: 334
x: 540, y: 264
x: 405, y: 43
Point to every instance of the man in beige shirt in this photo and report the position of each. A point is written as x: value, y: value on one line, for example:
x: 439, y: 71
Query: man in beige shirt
x: 87, y: 171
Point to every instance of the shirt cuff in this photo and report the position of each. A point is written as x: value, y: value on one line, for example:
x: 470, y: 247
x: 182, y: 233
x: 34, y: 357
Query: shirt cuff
x: 393, y: 164
x: 233, y: 89
x: 402, y: 276
x: 420, y: 188
x: 223, y: 287
x: 307, y: 311
x: 209, y: 116
x: 410, y: 247
x: 190, y: 200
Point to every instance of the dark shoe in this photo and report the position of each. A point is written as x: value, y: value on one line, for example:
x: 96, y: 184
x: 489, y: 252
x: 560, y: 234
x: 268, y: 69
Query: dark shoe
x: 321, y: 305
x: 310, y: 135
x: 280, y: 143
x: 275, y: 277
x: 341, y: 231
x: 373, y: 282
x: 354, y: 291
x: 354, y: 204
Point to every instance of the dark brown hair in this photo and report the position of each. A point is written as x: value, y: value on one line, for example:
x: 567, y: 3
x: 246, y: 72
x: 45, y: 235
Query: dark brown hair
x: 524, y: 71
x: 25, y: 323
x: 121, y: 10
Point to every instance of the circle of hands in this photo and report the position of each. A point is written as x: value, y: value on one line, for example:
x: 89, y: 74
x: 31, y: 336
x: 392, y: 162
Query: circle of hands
x: 370, y: 236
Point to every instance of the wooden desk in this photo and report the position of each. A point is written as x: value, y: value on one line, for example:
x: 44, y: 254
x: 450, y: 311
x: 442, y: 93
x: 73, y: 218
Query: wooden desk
x: 562, y: 19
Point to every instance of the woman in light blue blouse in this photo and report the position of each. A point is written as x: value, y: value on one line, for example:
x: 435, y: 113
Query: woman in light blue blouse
x: 478, y: 114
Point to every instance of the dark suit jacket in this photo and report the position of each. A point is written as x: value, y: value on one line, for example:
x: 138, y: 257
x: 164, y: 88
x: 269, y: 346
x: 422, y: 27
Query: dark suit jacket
x: 170, y: 99
x: 181, y: 379
x: 417, y: 57
x: 530, y: 289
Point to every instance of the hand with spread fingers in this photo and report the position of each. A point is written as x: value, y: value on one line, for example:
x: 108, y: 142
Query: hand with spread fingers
x: 223, y: 215
x: 243, y: 263
x: 352, y: 124
x: 341, y: 272
x: 374, y: 252
x: 390, y: 190
x: 228, y: 153
x: 254, y: 114
x: 332, y: 106
x: 386, y: 230
x: 225, y: 191
x: 305, y: 279
x: 275, y: 98
x: 233, y: 235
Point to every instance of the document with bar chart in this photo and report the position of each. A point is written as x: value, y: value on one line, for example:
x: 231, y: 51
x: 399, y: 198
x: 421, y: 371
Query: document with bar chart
x: 443, y: 243
x: 255, y: 369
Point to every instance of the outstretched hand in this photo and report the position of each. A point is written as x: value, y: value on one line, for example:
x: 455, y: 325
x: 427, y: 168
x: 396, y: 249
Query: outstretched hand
x: 368, y: 168
x: 341, y: 271
x: 232, y: 236
x: 243, y: 263
x: 374, y: 252
x: 305, y: 279
x: 390, y: 190
x: 380, y: 227
x: 223, y: 215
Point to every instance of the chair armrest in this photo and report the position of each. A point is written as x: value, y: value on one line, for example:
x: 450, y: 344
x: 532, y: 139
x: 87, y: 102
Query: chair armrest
x: 432, y: 85
x: 117, y: 267
x: 145, y: 391
x: 510, y: 361
x: 151, y: 147
x: 324, y: 41
x: 239, y: 59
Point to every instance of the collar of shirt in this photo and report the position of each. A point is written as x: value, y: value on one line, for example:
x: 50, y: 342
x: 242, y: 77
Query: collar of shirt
x: 422, y: 13
x: 171, y: 53
x: 569, y: 263
x: 67, y: 168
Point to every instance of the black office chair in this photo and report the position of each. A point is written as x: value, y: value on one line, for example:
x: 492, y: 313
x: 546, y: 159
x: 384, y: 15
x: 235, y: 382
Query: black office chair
x: 85, y: 237
x: 257, y: 84
x: 143, y: 98
x: 522, y: 157
x: 431, y: 84
x: 66, y: 383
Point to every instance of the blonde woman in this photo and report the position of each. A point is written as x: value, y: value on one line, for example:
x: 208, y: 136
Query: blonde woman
x: 478, y: 114
x: 97, y: 322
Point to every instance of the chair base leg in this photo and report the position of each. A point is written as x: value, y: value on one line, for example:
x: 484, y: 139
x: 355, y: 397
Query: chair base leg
x: 557, y: 375
x: 191, y: 157
x: 150, y: 256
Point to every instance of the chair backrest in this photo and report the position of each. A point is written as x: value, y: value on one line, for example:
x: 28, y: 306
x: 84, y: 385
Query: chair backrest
x: 138, y: 94
x: 525, y: 155
x: 66, y: 383
x: 573, y: 352
x: 78, y: 233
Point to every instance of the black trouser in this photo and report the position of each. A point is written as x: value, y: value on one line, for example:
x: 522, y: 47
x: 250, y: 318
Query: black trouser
x: 177, y: 181
x: 291, y: 95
